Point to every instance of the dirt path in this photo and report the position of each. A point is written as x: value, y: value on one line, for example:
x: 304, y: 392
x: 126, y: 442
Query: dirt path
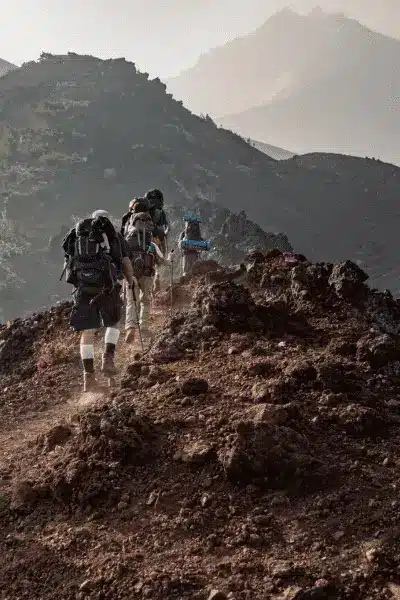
x: 28, y: 430
x: 17, y: 440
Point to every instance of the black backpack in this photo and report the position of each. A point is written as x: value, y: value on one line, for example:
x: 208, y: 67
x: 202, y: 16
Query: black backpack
x: 87, y: 247
x: 156, y: 214
x: 193, y: 231
x: 155, y: 198
x: 159, y: 232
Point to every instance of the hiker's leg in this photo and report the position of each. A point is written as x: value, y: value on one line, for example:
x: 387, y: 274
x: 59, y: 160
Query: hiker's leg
x: 111, y: 338
x: 159, y: 267
x: 157, y: 279
x: 189, y: 260
x: 85, y: 317
x: 193, y: 260
x: 90, y: 383
x: 130, y: 308
x: 87, y: 350
x: 185, y: 264
x: 110, y: 309
x: 131, y: 313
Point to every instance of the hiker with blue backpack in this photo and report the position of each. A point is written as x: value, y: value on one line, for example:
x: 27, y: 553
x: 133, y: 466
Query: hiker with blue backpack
x: 96, y: 261
x: 191, y: 244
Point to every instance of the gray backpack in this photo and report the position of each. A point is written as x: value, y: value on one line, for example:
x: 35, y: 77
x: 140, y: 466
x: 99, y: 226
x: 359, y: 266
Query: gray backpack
x: 139, y: 235
x: 139, y: 232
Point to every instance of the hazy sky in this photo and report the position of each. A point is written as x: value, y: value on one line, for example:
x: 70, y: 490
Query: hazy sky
x: 161, y: 36
x: 152, y: 33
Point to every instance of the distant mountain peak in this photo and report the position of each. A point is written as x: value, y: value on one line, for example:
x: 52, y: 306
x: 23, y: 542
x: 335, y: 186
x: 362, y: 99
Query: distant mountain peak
x: 6, y: 66
x: 79, y: 132
x: 283, y: 16
x: 312, y: 81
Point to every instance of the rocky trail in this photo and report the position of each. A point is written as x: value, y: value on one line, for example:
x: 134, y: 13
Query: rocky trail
x: 23, y: 432
x: 252, y: 453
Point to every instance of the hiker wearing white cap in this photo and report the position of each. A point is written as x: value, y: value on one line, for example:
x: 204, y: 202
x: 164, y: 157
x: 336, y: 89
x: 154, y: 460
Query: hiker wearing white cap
x: 96, y: 259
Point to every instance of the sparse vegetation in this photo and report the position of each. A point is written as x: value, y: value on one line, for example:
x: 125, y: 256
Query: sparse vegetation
x: 78, y: 133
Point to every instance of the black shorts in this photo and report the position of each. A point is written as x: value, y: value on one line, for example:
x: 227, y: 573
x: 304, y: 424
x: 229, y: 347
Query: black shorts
x: 105, y: 311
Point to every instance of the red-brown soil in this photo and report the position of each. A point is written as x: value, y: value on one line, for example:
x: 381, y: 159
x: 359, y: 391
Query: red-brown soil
x: 251, y: 453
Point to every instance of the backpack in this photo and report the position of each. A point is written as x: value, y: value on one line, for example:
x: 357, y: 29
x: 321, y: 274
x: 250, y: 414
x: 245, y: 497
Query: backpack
x: 156, y: 215
x: 90, y: 266
x: 139, y: 236
x: 159, y: 232
x: 193, y: 231
x: 139, y: 205
x: 155, y: 198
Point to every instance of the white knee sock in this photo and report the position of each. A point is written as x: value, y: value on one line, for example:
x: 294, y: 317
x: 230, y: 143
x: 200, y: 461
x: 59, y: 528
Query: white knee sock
x: 87, y: 356
x: 111, y: 336
x: 87, y: 351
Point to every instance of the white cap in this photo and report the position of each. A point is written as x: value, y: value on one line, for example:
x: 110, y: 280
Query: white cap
x: 99, y: 213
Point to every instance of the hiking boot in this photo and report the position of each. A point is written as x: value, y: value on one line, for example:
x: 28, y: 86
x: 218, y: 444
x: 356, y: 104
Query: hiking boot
x: 130, y: 336
x: 90, y: 383
x: 107, y: 365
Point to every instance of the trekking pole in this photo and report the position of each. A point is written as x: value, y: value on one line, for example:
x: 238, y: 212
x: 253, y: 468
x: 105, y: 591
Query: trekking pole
x: 172, y: 282
x: 137, y: 317
x: 64, y: 269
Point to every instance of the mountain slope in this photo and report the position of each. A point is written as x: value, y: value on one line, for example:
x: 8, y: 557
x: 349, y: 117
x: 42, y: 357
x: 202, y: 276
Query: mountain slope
x: 311, y: 83
x: 5, y: 67
x: 251, y: 454
x: 272, y: 151
x: 79, y: 133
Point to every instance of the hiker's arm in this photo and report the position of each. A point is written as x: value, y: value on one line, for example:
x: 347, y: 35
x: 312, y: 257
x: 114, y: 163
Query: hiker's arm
x: 123, y: 223
x: 128, y: 270
x: 181, y: 243
x: 125, y: 261
x: 160, y: 258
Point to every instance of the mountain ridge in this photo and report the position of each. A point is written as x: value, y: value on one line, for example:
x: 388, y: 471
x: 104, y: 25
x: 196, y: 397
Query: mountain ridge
x: 270, y: 150
x: 79, y: 133
x: 6, y: 66
x: 284, y: 74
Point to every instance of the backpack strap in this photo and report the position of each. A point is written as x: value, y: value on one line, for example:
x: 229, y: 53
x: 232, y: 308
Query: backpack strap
x: 106, y: 242
x: 118, y: 240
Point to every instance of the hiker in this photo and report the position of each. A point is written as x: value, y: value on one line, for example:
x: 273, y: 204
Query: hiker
x: 161, y: 228
x: 156, y: 203
x: 97, y: 259
x: 145, y: 255
x: 187, y: 244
